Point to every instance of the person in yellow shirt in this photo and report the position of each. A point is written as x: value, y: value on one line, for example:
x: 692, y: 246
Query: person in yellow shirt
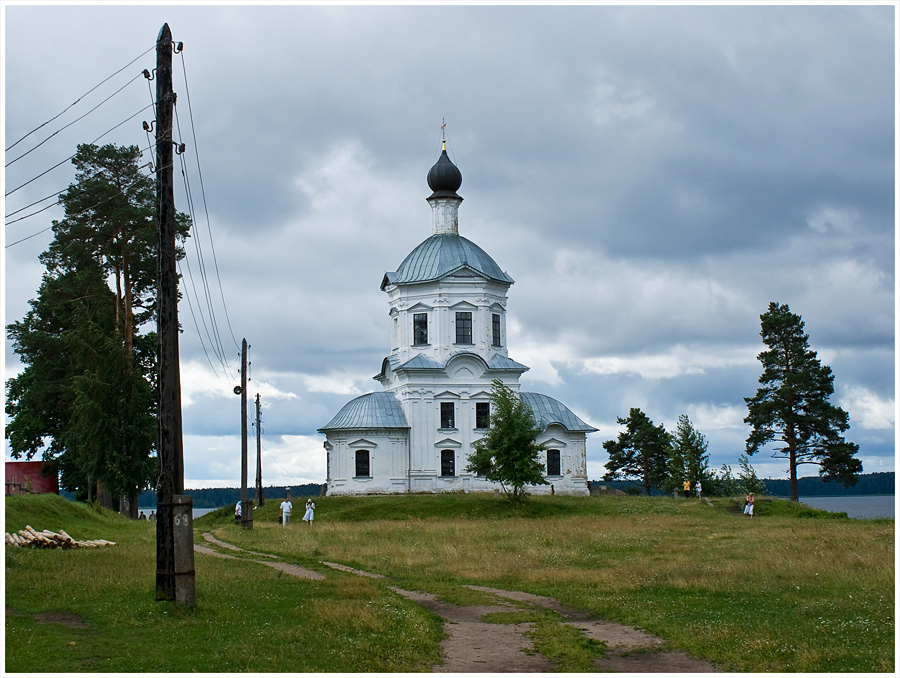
x: 687, y: 488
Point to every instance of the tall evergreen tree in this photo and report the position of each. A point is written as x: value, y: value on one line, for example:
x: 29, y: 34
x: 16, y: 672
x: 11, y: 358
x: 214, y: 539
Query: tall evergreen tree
x: 641, y: 452
x: 86, y: 398
x: 792, y: 407
x: 689, y: 446
x: 73, y: 310
x: 508, y: 453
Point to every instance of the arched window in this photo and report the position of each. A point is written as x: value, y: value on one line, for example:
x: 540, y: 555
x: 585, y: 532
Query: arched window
x: 448, y: 418
x: 363, y: 469
x: 553, y: 465
x: 420, y: 329
x: 482, y: 415
x: 448, y: 463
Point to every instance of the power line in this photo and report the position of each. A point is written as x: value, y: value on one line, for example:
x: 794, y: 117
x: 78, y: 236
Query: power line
x: 279, y: 464
x: 28, y: 237
x: 34, y: 148
x: 56, y: 194
x: 203, y: 194
x: 79, y: 99
x: 76, y: 153
x: 216, y: 342
x: 43, y: 209
x: 68, y: 216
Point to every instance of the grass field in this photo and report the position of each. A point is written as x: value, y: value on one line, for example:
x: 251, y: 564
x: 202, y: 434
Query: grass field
x: 793, y: 590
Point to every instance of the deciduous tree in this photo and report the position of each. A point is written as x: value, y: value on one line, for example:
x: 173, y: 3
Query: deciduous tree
x: 508, y: 453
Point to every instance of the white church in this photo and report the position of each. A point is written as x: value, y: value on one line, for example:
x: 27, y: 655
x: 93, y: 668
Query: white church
x: 448, y: 342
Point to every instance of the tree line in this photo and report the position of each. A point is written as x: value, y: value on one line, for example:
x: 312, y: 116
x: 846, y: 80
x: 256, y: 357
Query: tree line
x: 791, y: 410
x: 645, y: 458
x: 214, y: 497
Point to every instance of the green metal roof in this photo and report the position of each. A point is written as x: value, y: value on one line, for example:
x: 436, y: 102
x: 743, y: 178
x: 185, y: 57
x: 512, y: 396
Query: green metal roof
x: 382, y: 410
x: 373, y: 410
x: 443, y: 254
x: 549, y: 411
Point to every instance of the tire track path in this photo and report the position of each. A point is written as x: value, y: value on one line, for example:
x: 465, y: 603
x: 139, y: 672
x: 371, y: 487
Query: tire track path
x: 475, y: 646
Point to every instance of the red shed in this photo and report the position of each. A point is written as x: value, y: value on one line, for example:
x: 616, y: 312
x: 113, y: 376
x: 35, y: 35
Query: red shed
x: 22, y: 476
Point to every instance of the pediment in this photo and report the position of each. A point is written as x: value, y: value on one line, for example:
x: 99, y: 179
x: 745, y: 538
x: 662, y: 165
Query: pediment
x: 445, y: 395
x: 464, y: 306
x: 554, y: 444
x: 419, y: 308
x: 362, y: 443
x: 465, y: 272
x: 448, y: 443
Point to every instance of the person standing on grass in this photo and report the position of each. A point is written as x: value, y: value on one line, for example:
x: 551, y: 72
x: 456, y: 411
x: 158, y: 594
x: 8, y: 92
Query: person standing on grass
x: 286, y: 508
x: 310, y: 508
x: 687, y: 488
x: 748, y: 505
x: 698, y: 488
x: 237, y: 513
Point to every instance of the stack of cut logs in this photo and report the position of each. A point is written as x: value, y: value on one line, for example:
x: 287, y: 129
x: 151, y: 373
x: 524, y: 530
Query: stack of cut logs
x: 51, y: 540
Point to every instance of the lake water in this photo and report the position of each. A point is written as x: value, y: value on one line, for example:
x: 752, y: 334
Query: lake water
x: 859, y: 506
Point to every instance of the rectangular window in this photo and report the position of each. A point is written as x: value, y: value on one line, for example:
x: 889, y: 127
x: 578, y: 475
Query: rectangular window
x: 553, y: 463
x: 362, y: 464
x: 448, y: 420
x: 448, y: 463
x: 482, y: 415
x: 464, y: 327
x: 495, y: 329
x: 420, y: 329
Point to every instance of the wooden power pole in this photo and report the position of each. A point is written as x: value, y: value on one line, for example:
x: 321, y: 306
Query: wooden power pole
x: 260, y: 494
x: 246, y: 502
x: 174, y: 523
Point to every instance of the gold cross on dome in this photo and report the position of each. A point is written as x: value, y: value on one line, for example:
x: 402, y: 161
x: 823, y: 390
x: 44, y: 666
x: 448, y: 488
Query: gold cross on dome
x: 443, y: 136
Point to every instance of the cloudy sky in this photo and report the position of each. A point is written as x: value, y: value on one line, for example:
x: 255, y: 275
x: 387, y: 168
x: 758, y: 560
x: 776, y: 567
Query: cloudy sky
x: 651, y: 176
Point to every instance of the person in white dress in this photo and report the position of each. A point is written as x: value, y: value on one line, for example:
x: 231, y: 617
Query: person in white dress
x: 310, y: 508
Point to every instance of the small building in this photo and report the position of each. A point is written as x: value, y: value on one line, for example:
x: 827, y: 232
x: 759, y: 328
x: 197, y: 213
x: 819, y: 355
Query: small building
x: 27, y: 477
x: 447, y: 309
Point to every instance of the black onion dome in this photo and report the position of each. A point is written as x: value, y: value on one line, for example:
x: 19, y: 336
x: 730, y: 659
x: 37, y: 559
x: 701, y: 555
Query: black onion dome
x: 444, y: 178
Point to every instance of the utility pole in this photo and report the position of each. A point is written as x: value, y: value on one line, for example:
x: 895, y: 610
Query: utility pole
x: 260, y: 498
x: 246, y: 502
x: 174, y: 524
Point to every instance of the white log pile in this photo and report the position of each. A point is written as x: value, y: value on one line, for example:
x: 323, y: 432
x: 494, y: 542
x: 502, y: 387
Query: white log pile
x: 52, y: 540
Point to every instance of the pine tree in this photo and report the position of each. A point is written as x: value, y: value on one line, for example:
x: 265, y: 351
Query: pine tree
x: 86, y: 398
x: 641, y: 452
x: 508, y: 453
x: 792, y: 407
x: 691, y: 446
